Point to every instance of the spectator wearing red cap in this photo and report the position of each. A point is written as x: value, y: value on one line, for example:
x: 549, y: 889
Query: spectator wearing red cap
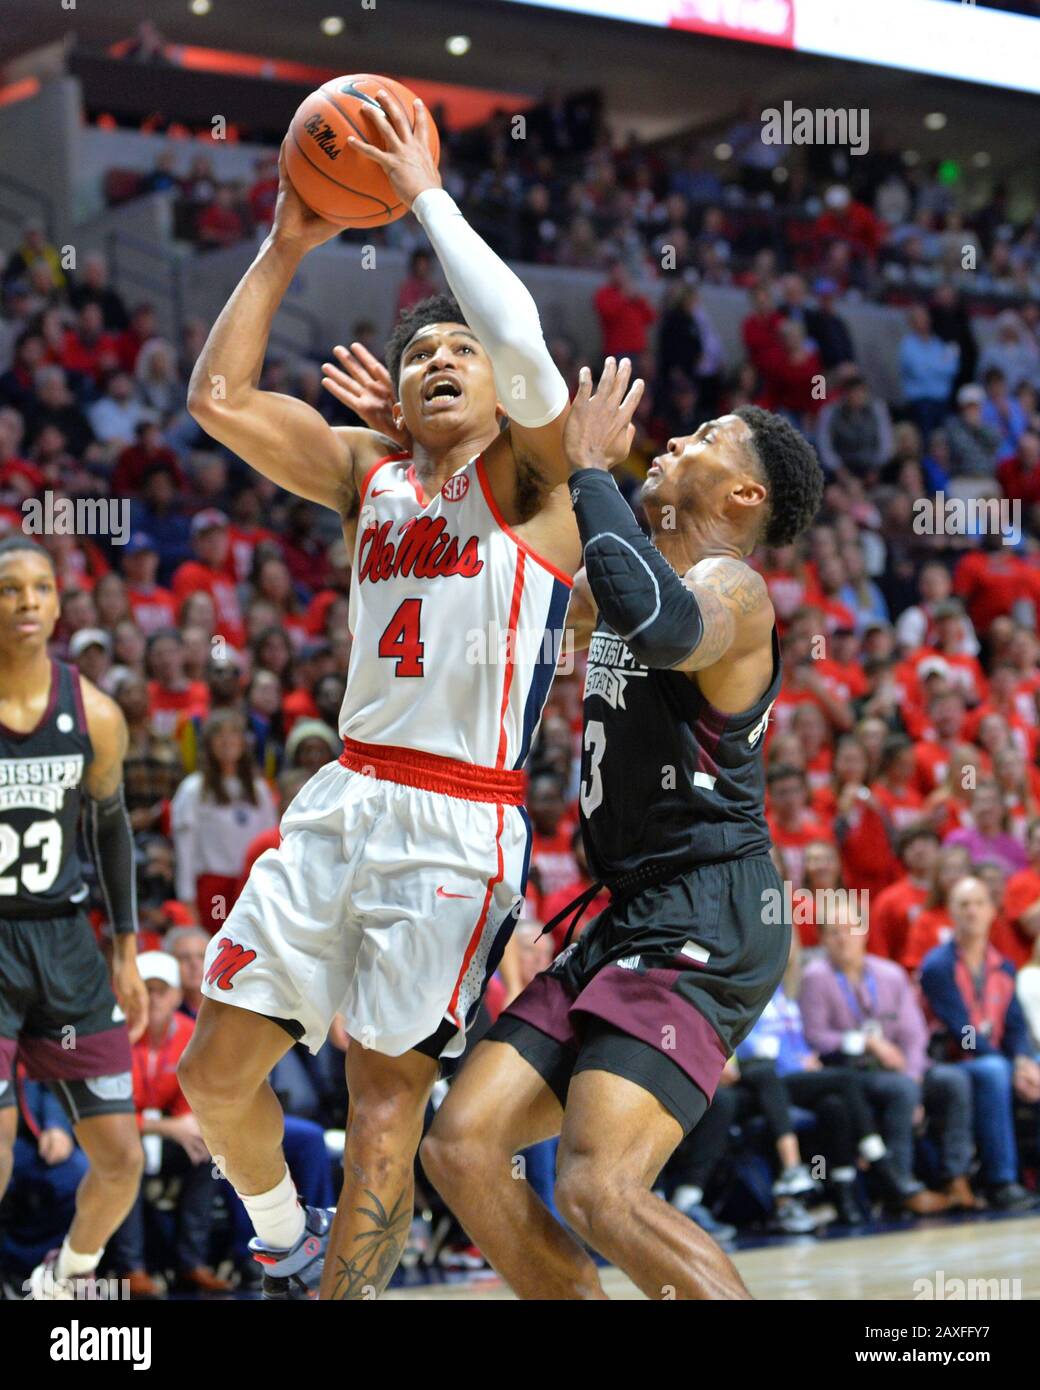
x: 209, y: 572
x: 216, y: 813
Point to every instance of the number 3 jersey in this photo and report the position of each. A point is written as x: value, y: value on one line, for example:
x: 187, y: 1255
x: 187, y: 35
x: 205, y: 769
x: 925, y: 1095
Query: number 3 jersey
x: 41, y: 773
x: 668, y: 781
x: 456, y: 622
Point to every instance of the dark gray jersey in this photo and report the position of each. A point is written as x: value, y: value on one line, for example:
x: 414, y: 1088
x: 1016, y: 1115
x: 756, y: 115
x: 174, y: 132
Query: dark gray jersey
x: 41, y: 773
x: 666, y: 778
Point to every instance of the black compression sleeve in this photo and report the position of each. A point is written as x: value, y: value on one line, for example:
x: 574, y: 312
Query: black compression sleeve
x: 111, y: 844
x: 635, y: 588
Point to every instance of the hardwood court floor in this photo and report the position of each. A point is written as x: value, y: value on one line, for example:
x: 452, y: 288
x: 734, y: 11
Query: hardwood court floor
x: 882, y: 1266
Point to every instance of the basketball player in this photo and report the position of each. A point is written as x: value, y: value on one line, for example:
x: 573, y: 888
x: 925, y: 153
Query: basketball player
x: 619, y: 1045
x: 61, y: 737
x: 402, y: 865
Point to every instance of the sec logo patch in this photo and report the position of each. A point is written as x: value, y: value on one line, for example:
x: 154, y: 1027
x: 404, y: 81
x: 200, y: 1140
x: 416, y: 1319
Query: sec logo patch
x: 455, y: 489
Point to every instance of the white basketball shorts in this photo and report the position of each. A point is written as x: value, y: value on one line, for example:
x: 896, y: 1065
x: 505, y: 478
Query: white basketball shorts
x: 387, y: 902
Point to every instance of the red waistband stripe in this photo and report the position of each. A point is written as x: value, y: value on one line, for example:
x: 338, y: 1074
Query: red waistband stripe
x: 431, y: 773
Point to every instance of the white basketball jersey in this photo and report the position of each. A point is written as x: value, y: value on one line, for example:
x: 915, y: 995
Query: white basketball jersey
x: 456, y: 622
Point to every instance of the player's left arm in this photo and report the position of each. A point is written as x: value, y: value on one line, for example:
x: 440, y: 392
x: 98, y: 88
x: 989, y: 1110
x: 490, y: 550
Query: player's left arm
x: 494, y: 301
x: 111, y: 844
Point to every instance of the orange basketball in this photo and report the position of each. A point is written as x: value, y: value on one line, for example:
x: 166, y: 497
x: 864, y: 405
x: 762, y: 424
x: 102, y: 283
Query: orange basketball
x: 333, y: 178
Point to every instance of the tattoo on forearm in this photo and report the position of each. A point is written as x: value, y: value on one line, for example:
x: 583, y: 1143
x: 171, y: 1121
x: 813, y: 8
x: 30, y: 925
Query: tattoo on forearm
x: 367, y: 1271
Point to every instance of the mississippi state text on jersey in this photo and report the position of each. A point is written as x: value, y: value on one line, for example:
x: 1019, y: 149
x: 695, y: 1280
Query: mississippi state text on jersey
x: 665, y: 776
x: 41, y: 773
x: 456, y: 622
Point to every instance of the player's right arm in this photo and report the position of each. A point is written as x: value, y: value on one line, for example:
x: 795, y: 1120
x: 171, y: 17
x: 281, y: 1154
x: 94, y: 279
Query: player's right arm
x: 283, y: 438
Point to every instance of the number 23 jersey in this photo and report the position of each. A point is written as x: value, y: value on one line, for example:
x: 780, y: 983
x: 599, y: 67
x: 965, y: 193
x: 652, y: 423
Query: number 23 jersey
x: 41, y: 774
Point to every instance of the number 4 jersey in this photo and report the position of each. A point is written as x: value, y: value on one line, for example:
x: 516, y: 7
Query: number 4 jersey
x: 457, y: 623
x: 668, y: 782
x: 41, y: 773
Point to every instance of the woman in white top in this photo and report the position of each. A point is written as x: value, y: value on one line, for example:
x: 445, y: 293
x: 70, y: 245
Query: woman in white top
x: 1027, y: 987
x: 217, y: 812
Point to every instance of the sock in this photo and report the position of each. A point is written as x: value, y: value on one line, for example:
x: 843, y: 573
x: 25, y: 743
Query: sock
x: 70, y: 1264
x: 872, y: 1147
x: 843, y: 1175
x: 686, y: 1195
x: 277, y: 1216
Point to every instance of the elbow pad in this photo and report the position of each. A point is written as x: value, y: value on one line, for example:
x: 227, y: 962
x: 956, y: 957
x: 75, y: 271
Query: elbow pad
x: 635, y: 588
x: 111, y: 844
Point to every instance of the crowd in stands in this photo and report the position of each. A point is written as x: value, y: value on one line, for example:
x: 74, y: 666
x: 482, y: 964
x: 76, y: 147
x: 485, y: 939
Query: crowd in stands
x: 903, y: 755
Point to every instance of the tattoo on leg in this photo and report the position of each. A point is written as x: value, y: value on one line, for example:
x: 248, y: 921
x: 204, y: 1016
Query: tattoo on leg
x: 367, y: 1272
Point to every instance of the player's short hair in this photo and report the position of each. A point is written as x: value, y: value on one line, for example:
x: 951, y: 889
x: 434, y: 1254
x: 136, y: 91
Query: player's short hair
x: 12, y: 545
x: 438, y: 308
x: 792, y: 473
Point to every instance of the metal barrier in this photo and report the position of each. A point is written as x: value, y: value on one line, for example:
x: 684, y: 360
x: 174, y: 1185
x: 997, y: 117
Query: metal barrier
x: 164, y: 282
x: 42, y: 206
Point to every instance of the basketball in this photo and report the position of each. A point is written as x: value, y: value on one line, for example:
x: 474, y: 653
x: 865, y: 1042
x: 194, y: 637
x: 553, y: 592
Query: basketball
x: 333, y: 178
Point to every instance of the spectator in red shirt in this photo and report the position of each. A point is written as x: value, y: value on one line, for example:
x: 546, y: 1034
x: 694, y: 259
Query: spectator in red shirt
x: 761, y: 328
x: 900, y: 801
x: 993, y: 582
x: 170, y: 693
x: 264, y: 192
x: 1022, y: 904
x: 1019, y: 475
x: 88, y: 349
x: 791, y: 822
x: 821, y: 874
x: 135, y: 460
x: 932, y: 754
x: 152, y: 606
x: 860, y: 826
x: 792, y: 374
x: 893, y: 911
x: 220, y: 223
x: 177, y: 1147
x: 850, y: 221
x: 933, y: 925
x: 624, y: 315
x: 209, y: 572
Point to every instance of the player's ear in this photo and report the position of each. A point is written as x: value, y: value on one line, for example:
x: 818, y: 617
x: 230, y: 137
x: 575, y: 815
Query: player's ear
x: 501, y: 416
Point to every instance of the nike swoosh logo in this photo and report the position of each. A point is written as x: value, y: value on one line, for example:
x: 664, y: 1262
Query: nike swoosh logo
x: 380, y: 490
x: 350, y: 90
x: 441, y: 894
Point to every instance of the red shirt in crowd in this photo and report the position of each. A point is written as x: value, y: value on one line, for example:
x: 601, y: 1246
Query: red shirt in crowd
x: 553, y: 903
x: 1021, y: 892
x: 192, y: 576
x: 155, y: 1070
x: 792, y: 843
x: 931, y: 927
x: 624, y: 319
x: 991, y: 583
x: 154, y: 609
x: 892, y: 915
x: 170, y: 707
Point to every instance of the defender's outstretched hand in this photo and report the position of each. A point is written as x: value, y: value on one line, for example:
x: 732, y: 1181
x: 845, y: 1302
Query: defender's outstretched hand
x: 363, y: 384
x: 406, y: 161
x: 599, y: 429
